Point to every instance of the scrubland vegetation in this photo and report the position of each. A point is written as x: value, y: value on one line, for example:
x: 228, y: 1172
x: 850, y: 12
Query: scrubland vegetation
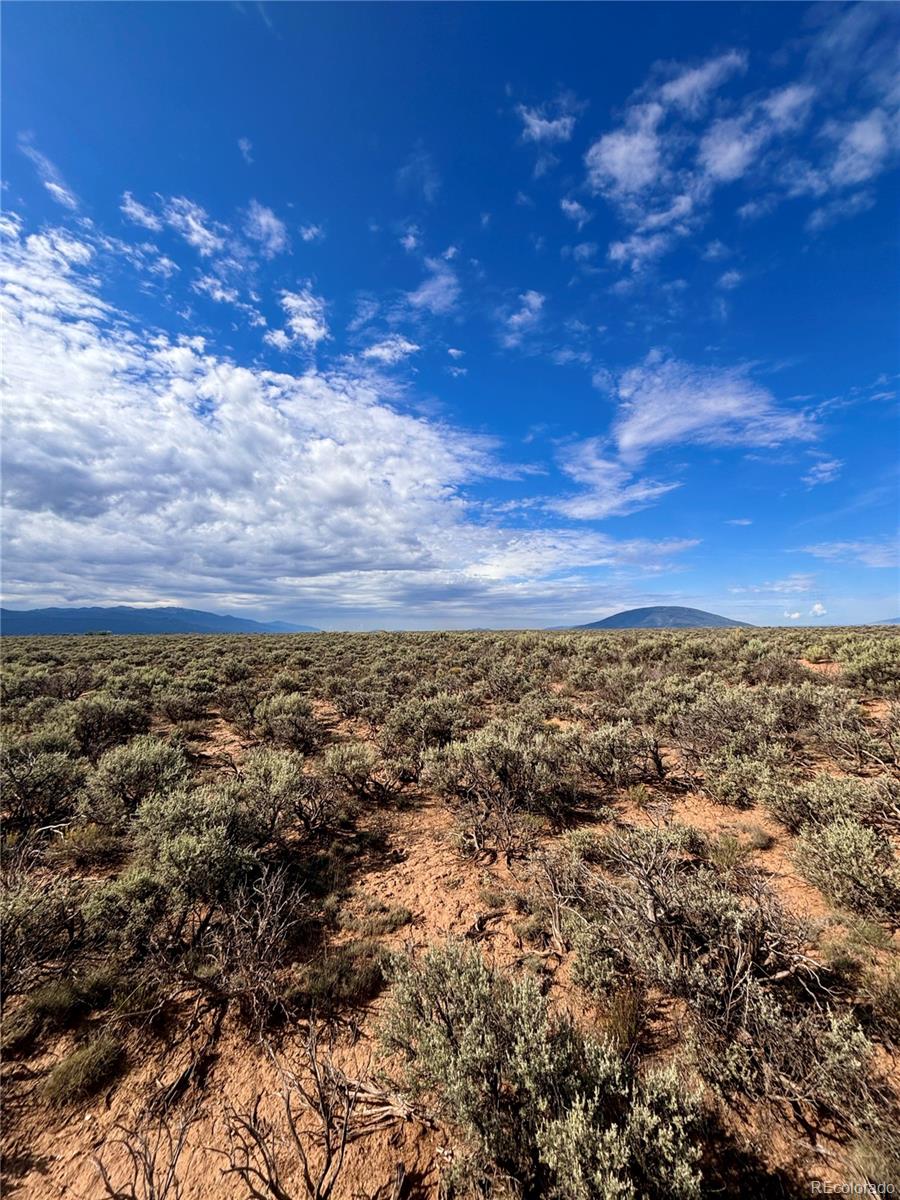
x: 570, y: 915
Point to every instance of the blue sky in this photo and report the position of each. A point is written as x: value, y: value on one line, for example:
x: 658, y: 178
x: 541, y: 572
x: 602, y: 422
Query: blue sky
x: 418, y: 316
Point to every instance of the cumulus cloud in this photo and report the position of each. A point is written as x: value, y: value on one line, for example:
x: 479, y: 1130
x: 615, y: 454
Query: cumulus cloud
x: 522, y: 320
x: 270, y: 232
x: 661, y: 164
x: 818, y: 610
x: 312, y: 233
x: 729, y: 280
x: 305, y: 323
x: 629, y: 159
x: 541, y: 127
x: 391, y: 350
x: 140, y: 467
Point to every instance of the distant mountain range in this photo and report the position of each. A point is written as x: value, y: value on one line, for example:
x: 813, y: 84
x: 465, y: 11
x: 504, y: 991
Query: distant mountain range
x: 663, y: 617
x: 124, y: 619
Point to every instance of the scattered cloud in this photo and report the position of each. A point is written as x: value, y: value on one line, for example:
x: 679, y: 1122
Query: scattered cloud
x: 730, y: 280
x: 410, y: 238
x: 549, y: 124
x: 575, y: 211
x: 869, y: 553
x: 740, y: 521
x: 794, y: 584
x: 312, y: 233
x: 213, y: 287
x: 270, y: 232
x: 663, y: 401
x: 142, y: 467
x: 439, y: 292
x: 305, y: 323
x: 610, y: 489
x: 523, y: 320
x: 48, y: 173
x: 246, y: 148
x: 193, y: 224
x: 661, y: 164
x: 818, y: 610
x: 419, y: 176
x: 691, y: 89
x: 826, y: 470
x: 391, y: 350
x: 135, y: 212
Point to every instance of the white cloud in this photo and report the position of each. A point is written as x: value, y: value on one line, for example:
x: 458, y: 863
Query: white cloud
x: 730, y: 146
x: 411, y: 238
x: 312, y: 233
x: 246, y: 148
x: 191, y: 222
x: 664, y: 402
x: 584, y: 251
x: 740, y: 521
x: 305, y: 320
x: 730, y: 280
x: 639, y: 250
x: 863, y: 148
x: 138, y: 214
x: 523, y: 319
x: 419, y: 175
x: 611, y: 490
x: 439, y: 293
x: 792, y: 616
x: 261, y: 225
x: 793, y: 585
x: 48, y: 173
x: 818, y: 610
x: 691, y: 89
x: 138, y: 468
x: 213, y: 287
x: 826, y: 470
x: 628, y: 159
x: 454, y: 353
x: 837, y: 209
x: 868, y: 552
x: 788, y: 108
x: 715, y: 250
x: 538, y: 127
x: 575, y: 211
x: 391, y: 350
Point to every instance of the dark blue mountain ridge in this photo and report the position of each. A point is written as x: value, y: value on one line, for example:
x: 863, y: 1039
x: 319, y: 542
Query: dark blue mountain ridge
x: 663, y: 616
x: 122, y: 618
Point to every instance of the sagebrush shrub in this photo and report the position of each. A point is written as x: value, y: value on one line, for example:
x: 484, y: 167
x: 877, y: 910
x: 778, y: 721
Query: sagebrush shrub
x: 127, y: 775
x: 287, y: 719
x: 827, y: 798
x: 100, y: 721
x: 853, y: 865
x: 532, y: 1097
x: 38, y: 785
